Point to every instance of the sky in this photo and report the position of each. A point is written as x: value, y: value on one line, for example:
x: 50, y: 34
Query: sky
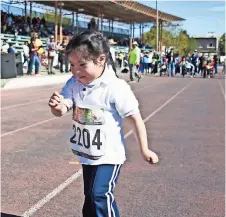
x: 201, y: 16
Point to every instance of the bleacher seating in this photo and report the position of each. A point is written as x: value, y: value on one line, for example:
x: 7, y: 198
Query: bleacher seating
x: 20, y: 39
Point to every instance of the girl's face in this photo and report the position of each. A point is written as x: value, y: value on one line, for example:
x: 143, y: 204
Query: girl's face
x: 86, y: 71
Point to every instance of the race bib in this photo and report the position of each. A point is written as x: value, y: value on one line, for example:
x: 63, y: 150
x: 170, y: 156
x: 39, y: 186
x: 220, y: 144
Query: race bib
x: 89, y: 137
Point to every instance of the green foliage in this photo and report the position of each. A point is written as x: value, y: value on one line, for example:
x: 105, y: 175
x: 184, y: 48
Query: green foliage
x: 181, y: 41
x: 182, y: 45
x: 192, y: 45
x: 222, y: 45
x: 150, y: 37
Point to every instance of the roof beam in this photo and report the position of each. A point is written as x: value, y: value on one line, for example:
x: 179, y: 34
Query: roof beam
x: 126, y: 10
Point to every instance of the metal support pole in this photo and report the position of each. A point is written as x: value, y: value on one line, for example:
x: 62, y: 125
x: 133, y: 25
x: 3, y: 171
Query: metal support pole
x: 109, y: 29
x: 101, y: 22
x: 112, y: 27
x: 130, y: 37
x: 61, y: 17
x: 133, y: 30
x: 25, y: 11
x: 130, y: 30
x: 98, y: 23
x: 73, y: 19
x: 76, y: 22
x: 160, y: 44
x: 30, y: 13
x: 140, y: 30
x: 56, y: 26
x: 157, y: 27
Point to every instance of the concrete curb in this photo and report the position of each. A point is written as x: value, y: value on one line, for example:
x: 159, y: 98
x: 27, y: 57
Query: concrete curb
x: 35, y: 81
x: 38, y: 81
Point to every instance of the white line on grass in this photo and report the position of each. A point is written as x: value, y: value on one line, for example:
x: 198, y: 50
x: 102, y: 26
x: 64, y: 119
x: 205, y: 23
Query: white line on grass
x: 76, y: 175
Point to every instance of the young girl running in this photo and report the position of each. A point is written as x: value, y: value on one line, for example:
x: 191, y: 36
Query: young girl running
x: 99, y: 101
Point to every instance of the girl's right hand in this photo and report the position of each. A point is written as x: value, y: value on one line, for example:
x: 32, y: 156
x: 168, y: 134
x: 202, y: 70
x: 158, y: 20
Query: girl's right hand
x: 55, y: 101
x: 150, y: 156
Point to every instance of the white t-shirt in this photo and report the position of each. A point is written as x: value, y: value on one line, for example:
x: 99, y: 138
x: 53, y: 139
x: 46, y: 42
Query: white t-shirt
x: 98, y: 110
x: 26, y: 50
x: 51, y: 46
x: 5, y: 47
x: 112, y: 50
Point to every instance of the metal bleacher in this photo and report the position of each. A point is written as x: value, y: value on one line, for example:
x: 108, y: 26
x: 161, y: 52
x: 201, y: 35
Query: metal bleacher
x: 19, y: 42
x: 20, y: 39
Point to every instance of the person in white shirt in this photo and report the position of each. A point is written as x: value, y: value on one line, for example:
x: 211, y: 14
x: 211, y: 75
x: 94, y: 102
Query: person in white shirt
x: 99, y: 101
x: 4, y: 47
x: 51, y: 47
x: 112, y: 54
x: 111, y: 44
x: 190, y: 68
x: 26, y: 52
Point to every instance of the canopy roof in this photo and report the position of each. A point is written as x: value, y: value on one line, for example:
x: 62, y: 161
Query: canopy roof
x: 121, y: 11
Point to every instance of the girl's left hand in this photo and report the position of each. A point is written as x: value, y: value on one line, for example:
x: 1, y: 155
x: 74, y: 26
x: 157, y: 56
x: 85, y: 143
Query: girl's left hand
x: 150, y: 156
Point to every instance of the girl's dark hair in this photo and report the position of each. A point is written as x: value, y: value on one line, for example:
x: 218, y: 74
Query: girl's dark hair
x: 89, y: 45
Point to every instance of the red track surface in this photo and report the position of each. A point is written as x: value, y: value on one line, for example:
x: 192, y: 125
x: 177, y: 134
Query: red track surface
x: 188, y: 132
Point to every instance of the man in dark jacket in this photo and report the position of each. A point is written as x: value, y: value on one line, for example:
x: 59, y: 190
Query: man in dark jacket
x: 171, y: 62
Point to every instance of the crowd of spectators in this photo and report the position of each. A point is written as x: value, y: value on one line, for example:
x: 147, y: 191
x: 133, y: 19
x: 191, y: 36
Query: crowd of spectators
x: 19, y: 25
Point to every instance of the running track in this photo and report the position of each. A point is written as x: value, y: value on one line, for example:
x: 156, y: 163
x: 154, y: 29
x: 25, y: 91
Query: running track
x: 185, y: 122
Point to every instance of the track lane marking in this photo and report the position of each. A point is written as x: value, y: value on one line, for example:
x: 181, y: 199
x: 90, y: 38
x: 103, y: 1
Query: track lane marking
x: 222, y: 90
x: 41, y: 122
x: 23, y: 104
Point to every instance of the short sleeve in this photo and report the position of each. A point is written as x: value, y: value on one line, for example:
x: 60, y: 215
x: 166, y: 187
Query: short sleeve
x: 124, y: 99
x: 67, y: 93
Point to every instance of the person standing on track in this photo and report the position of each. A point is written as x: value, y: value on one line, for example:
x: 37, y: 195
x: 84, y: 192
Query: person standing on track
x: 99, y: 101
x: 33, y: 58
x: 51, y: 47
x: 134, y: 62
x: 62, y: 58
x: 171, y: 62
x: 195, y: 61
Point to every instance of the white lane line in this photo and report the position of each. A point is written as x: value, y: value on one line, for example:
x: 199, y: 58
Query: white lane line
x: 38, y: 123
x: 76, y: 175
x: 161, y: 107
x: 22, y: 150
x: 23, y: 104
x: 56, y: 191
x: 32, y: 125
x: 222, y: 89
x: 38, y: 89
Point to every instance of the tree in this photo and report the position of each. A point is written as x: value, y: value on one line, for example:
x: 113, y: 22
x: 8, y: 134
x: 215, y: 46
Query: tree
x: 182, y: 45
x: 222, y: 45
x: 150, y: 37
x: 192, y: 44
x: 181, y: 40
x: 167, y: 38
